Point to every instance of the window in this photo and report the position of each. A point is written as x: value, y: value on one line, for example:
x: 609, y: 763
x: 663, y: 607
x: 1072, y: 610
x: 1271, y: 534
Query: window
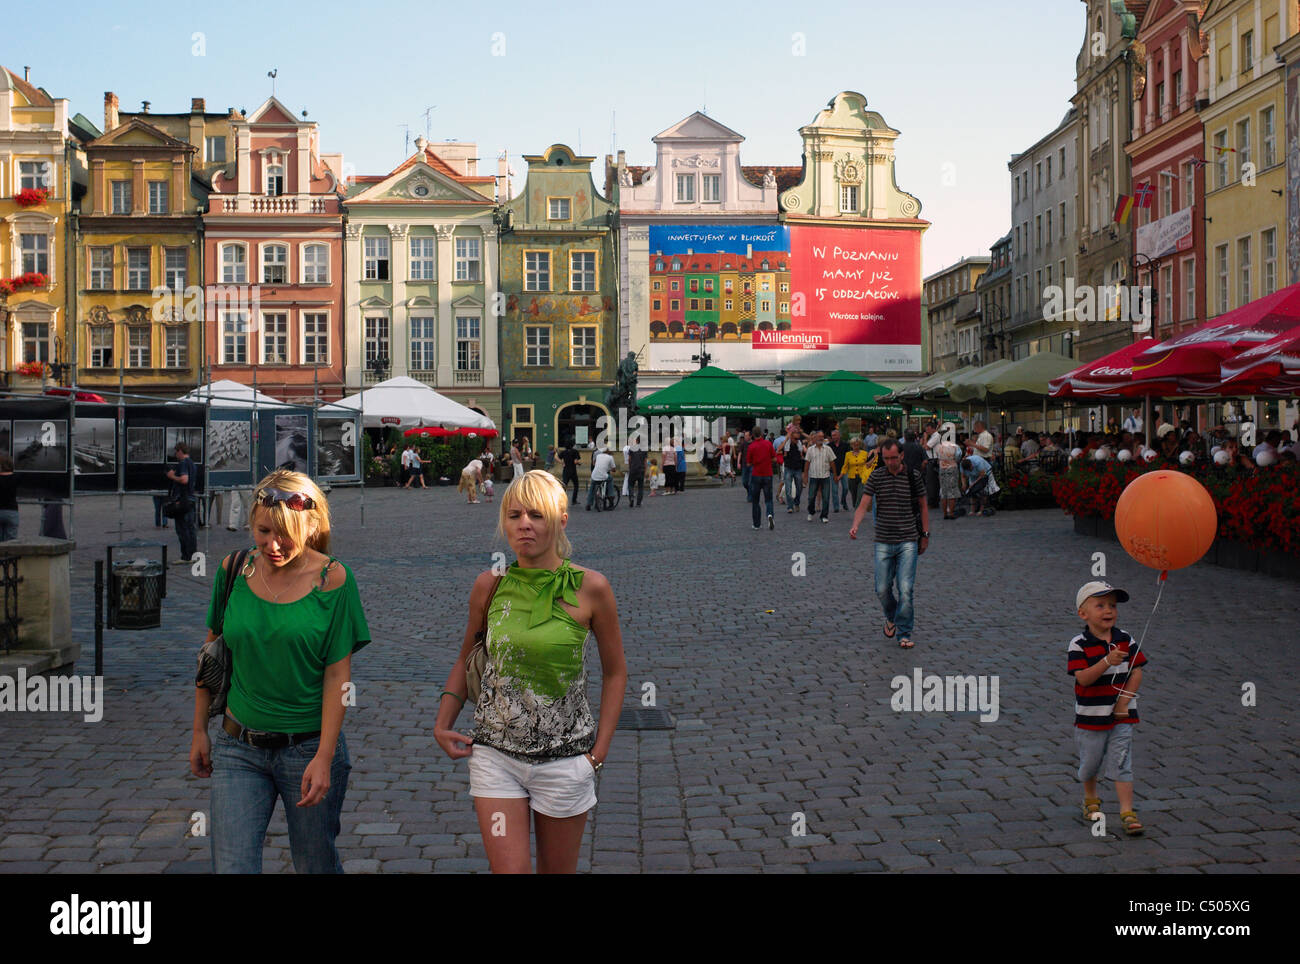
x: 1243, y: 271
x: 1247, y: 51
x: 1268, y: 253
x: 234, y: 337
x: 274, y: 179
x: 376, y: 258
x: 234, y: 264
x: 675, y: 305
x: 727, y: 304
x: 315, y: 338
x: 677, y: 265
x: 686, y: 187
x: 658, y: 304
x: 848, y: 198
x: 537, y: 271
x: 582, y: 270
x: 101, y: 347
x: 1189, y: 184
x: 1038, y: 230
x: 422, y: 259
x: 275, y: 338
x: 1267, y: 137
x: 1221, y: 159
x: 1221, y: 269
x: 424, y: 340
x: 658, y: 286
x: 35, y: 249
x: 275, y: 264
x: 121, y: 197
x: 1038, y: 168
x: 1015, y: 182
x: 1160, y: 98
x: 1178, y: 88
x: 557, y: 209
x: 695, y: 304
x: 1049, y: 169
x: 583, y: 346
x: 158, y: 196
x: 175, y: 264
x: 708, y: 284
x: 36, y: 341
x: 1189, y: 289
x: 711, y: 187
x: 1243, y: 145
x: 468, y: 356
x: 467, y: 259
x: 676, y: 285
x: 1165, y: 293
x: 176, y: 347
x: 316, y: 264
x: 214, y: 149
x: 377, y: 339
x: 693, y: 284
x: 537, y: 345
x: 137, y: 269
x: 1061, y: 218
x: 748, y: 307
x: 101, y: 269
x: 137, y: 347
x: 33, y: 175
x: 1049, y: 225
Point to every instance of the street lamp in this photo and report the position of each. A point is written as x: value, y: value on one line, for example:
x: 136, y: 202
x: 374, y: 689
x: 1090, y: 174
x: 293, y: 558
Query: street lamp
x: 378, y: 367
x: 702, y: 333
x: 1151, y: 265
x: 996, y: 340
x: 59, y: 366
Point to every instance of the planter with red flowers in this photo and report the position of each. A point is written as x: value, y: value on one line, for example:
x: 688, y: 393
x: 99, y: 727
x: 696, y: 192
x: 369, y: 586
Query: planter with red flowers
x: 32, y: 279
x: 31, y: 369
x: 30, y: 197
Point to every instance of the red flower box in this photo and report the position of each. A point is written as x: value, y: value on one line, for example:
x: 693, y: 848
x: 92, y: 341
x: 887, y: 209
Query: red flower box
x: 32, y: 279
x: 30, y: 197
x: 31, y: 369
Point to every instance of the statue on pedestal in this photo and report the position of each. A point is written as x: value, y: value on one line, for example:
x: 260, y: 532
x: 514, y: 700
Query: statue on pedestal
x: 623, y: 393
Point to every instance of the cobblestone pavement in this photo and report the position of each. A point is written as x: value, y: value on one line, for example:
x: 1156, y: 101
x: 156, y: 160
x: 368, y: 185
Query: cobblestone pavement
x: 783, y: 718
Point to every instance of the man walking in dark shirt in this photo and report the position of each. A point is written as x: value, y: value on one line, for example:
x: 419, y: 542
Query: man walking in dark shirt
x: 569, y: 474
x: 635, y: 476
x: 182, y: 478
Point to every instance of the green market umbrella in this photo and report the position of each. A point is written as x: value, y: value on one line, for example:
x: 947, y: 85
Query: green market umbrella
x: 714, y: 391
x: 839, y: 393
x: 932, y: 386
x: 1020, y: 382
x: 967, y: 384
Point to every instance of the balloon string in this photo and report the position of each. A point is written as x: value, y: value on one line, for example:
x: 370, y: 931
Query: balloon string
x: 1119, y: 688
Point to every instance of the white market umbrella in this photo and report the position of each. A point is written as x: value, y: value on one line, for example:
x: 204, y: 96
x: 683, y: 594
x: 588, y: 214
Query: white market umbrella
x: 403, y: 403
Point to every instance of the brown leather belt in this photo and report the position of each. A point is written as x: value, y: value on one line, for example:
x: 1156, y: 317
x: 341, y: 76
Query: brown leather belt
x: 261, y: 740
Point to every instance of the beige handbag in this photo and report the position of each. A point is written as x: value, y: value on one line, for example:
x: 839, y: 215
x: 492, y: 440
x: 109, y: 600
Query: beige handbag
x: 476, y: 661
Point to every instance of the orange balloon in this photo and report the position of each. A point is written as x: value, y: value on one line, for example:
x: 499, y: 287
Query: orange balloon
x: 1165, y: 520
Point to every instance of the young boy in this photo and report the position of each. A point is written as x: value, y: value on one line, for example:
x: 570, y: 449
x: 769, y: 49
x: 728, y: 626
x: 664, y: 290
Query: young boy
x: 1105, y: 684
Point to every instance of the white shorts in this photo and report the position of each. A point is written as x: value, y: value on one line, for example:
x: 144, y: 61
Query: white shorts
x: 557, y: 788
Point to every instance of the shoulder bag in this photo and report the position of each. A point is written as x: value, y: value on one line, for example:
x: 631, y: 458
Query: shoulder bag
x: 476, y: 661
x: 215, y: 665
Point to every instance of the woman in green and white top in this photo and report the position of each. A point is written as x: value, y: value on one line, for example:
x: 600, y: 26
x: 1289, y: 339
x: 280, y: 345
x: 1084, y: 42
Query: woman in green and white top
x: 536, y: 745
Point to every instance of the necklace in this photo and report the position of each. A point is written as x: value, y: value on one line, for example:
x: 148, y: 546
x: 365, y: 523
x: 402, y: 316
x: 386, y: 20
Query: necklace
x: 292, y: 579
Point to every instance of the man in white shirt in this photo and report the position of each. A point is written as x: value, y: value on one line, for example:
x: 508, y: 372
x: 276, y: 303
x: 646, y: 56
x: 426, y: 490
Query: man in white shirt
x: 1133, y: 423
x: 983, y: 441
x: 819, y: 466
x: 601, y: 466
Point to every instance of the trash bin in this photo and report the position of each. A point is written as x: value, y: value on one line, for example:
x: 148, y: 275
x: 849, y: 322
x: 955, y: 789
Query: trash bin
x: 136, y: 588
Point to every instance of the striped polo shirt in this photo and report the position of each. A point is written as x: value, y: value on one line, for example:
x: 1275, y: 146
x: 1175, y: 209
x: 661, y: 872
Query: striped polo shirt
x: 896, y: 498
x: 1094, y: 705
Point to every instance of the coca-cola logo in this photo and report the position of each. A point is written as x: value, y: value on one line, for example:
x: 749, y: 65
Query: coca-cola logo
x: 1107, y: 370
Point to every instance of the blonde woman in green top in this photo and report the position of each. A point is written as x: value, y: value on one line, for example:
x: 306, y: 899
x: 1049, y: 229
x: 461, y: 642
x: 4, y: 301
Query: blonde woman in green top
x: 536, y: 748
x: 292, y: 623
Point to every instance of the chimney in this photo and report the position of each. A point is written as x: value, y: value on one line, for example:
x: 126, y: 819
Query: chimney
x: 110, y: 111
x: 503, y: 177
x: 144, y: 107
x: 197, y: 106
x: 27, y: 74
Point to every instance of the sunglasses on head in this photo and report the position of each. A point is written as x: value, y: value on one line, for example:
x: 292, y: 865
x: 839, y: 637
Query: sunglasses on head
x: 297, y: 501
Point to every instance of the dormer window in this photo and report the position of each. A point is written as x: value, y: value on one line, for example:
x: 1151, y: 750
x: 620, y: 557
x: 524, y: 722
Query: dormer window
x: 274, y: 176
x: 659, y: 266
x: 686, y: 188
x: 677, y: 265
x: 557, y: 209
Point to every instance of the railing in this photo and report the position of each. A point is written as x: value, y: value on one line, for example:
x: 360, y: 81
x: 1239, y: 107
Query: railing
x: 429, y: 376
x: 9, y: 619
x: 284, y: 204
x: 470, y: 377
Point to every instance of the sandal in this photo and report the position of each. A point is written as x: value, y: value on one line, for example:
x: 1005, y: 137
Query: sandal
x: 890, y: 629
x: 905, y: 643
x: 1132, y: 825
x: 1091, y: 809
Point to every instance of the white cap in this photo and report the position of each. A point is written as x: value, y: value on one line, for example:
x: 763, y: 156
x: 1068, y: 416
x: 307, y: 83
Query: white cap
x: 1098, y: 589
x: 1164, y: 430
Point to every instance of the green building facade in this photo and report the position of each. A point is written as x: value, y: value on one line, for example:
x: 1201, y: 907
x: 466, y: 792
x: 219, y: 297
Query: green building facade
x: 559, y: 335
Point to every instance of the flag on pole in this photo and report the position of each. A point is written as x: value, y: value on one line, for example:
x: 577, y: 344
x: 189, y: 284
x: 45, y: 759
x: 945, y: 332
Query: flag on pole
x: 1145, y: 193
x: 1123, y: 209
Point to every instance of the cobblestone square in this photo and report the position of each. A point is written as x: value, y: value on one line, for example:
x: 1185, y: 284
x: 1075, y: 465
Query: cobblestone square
x: 786, y: 752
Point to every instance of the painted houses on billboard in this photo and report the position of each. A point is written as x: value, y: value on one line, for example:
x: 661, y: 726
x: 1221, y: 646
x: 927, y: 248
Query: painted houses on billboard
x: 422, y: 276
x: 273, y: 260
x: 559, y: 335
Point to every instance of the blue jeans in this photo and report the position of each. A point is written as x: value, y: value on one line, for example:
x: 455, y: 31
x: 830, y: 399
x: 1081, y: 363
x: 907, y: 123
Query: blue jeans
x: 245, y: 783
x: 187, y: 532
x: 760, y: 485
x: 896, y: 561
x: 793, y: 487
x: 8, y: 524
x: 744, y: 480
x: 824, y: 487
x: 596, y: 490
x: 840, y: 493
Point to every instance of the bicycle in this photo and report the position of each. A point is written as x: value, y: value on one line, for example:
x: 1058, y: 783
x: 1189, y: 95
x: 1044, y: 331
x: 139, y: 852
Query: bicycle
x: 609, y: 501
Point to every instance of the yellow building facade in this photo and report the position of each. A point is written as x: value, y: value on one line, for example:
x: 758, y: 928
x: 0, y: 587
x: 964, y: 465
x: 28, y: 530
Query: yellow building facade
x: 37, y: 169
x: 139, y: 281
x: 1245, y: 150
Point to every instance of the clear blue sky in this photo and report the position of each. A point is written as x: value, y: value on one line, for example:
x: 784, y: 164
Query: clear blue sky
x: 967, y: 84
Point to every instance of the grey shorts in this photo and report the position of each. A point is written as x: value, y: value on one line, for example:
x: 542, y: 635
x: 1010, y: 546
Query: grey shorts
x: 1113, y: 746
x: 556, y: 788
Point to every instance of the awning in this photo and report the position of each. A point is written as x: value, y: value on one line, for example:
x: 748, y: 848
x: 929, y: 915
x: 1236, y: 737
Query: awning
x: 714, y: 391
x: 403, y: 403
x: 1021, y: 382
x: 839, y: 393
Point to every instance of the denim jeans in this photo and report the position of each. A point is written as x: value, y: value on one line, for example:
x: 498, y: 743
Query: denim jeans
x: 822, y: 486
x: 595, y: 490
x: 744, y: 480
x: 8, y: 524
x: 896, y: 561
x: 793, y: 487
x: 245, y: 784
x: 187, y: 533
x: 635, y: 487
x: 840, y: 493
x: 760, y: 485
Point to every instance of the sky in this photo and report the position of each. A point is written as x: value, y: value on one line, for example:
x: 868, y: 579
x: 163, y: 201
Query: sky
x: 967, y: 84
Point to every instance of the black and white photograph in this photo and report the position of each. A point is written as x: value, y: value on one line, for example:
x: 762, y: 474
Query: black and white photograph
x: 193, y: 439
x: 228, y: 446
x: 41, y: 446
x: 94, y: 446
x: 336, y: 447
x: 291, y: 442
x: 145, y: 445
